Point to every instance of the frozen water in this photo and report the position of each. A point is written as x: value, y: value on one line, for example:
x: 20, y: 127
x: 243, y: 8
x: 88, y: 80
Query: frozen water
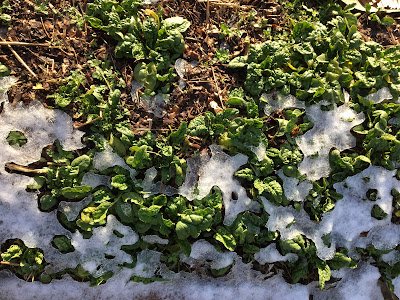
x: 108, y: 159
x: 295, y: 191
x: 331, y: 130
x: 276, y: 101
x: 259, y: 151
x: 154, y: 104
x: 5, y: 84
x: 270, y: 254
x: 381, y: 95
x: 72, y: 209
x: 94, y: 180
x: 218, y: 170
x: 150, y: 188
x: 154, y: 239
x: 148, y: 261
x: 203, y: 251
x: 291, y: 223
x: 41, y: 127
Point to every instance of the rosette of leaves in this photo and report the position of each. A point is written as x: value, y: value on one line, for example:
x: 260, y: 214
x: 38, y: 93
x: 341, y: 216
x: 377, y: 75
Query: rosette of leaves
x: 155, y: 42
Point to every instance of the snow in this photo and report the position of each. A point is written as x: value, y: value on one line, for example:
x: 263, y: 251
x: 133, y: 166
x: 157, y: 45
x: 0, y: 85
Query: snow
x: 218, y: 170
x: 352, y: 214
x: 205, y: 253
x: 150, y: 188
x: 290, y: 223
x: 182, y: 67
x: 41, y: 127
x: 90, y: 253
x: 154, y: 104
x: 94, y: 180
x: 5, y: 84
x: 154, y: 239
x: 108, y: 159
x: 331, y: 130
x: 21, y: 218
x: 276, y: 101
x: 293, y: 189
x: 357, y: 284
x: 72, y: 209
x: 148, y: 261
x: 259, y: 151
x: 380, y: 95
x: 270, y: 254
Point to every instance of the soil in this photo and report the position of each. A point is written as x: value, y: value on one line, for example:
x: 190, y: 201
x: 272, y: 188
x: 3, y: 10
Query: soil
x: 207, y: 83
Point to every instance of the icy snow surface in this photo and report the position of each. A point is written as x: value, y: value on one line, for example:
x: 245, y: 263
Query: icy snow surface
x: 331, y: 130
x: 277, y: 101
x: 203, y: 250
x: 350, y: 217
x: 270, y: 254
x: 218, y: 170
x: 381, y: 95
x: 295, y: 191
x: 108, y: 159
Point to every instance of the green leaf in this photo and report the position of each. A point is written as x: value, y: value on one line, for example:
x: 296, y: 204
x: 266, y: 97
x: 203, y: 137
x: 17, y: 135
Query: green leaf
x: 77, y: 192
x: 63, y: 244
x: 82, y: 162
x: 175, y: 24
x: 300, y: 270
x: 324, y: 273
x: 119, y: 182
x: 16, y: 138
x: 146, y: 74
x: 147, y: 214
x: 226, y: 238
x: 141, y: 158
x: 179, y: 135
x: 47, y: 202
x: 14, y: 251
x: 271, y: 187
x: 124, y: 211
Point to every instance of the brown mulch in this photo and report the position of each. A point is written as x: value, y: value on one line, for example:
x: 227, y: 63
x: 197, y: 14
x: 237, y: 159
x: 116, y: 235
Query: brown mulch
x: 208, y: 82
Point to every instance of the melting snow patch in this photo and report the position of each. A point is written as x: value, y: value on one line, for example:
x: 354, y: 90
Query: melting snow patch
x: 259, y: 151
x: 203, y: 251
x: 218, y: 170
x: 90, y: 253
x: 148, y: 261
x: 182, y: 67
x: 154, y: 104
x: 352, y: 214
x: 41, y: 127
x: 381, y: 95
x: 277, y: 101
x: 154, y: 239
x: 94, y: 180
x: 291, y: 223
x: 72, y: 209
x: 270, y: 255
x: 149, y: 188
x: 331, y: 130
x: 294, y: 191
x: 5, y: 84
x: 356, y: 284
x: 108, y: 159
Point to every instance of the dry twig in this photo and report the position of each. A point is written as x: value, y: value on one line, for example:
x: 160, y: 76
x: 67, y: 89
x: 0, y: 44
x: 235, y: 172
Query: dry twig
x: 20, y: 59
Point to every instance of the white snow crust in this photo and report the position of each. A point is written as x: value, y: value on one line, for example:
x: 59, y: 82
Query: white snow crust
x: 331, y: 130
x: 270, y: 254
x: 218, y: 170
x: 203, y: 251
x: 276, y: 101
